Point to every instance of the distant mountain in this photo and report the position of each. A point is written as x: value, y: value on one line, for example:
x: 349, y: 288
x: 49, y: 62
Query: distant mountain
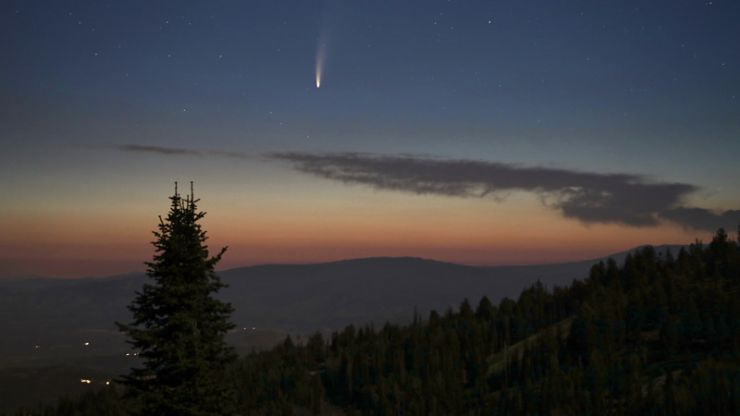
x: 47, y: 319
x: 45, y: 323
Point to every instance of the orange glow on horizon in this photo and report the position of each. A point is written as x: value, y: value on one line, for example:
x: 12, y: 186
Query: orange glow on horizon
x: 268, y: 230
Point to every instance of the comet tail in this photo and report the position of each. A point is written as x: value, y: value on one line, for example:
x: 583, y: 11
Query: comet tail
x: 320, y: 58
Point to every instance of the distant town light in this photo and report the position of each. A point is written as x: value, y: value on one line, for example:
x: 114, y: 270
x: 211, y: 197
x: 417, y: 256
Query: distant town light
x: 87, y: 343
x: 85, y: 381
x: 107, y: 382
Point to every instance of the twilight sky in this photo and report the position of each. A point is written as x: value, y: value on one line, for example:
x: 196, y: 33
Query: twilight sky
x: 481, y: 132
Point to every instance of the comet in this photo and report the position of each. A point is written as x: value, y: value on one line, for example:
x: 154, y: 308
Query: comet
x: 320, y: 60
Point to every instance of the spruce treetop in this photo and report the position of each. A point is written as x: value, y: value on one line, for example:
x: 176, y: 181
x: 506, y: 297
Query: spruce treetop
x: 178, y: 325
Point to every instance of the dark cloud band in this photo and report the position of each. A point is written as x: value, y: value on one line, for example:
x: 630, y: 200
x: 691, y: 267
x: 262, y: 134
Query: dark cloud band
x: 588, y: 197
x: 585, y: 196
x: 703, y: 219
x: 177, y: 151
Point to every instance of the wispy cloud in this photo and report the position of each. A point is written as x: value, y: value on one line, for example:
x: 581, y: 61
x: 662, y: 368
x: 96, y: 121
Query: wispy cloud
x: 702, y: 218
x: 177, y: 151
x: 168, y: 151
x: 588, y: 197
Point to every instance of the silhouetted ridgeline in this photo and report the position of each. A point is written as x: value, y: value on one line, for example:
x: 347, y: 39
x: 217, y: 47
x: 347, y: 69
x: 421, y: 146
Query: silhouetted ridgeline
x: 59, y: 314
x: 659, y: 334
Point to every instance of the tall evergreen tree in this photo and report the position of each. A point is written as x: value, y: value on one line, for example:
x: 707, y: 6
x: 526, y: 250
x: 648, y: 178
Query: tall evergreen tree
x: 178, y: 327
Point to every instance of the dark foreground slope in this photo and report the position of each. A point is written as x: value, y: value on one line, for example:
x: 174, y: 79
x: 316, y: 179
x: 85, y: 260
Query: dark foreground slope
x: 61, y: 315
x: 46, y: 323
x: 657, y: 335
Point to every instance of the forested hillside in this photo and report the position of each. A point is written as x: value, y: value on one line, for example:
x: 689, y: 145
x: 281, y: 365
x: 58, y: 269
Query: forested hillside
x: 659, y: 334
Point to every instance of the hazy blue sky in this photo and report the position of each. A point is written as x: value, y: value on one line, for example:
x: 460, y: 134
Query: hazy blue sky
x: 93, y: 93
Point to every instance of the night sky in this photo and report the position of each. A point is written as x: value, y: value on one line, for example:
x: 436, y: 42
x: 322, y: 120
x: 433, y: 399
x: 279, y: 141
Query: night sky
x: 480, y: 132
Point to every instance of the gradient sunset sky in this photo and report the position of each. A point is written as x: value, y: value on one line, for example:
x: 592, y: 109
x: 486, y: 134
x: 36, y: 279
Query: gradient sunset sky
x: 480, y: 132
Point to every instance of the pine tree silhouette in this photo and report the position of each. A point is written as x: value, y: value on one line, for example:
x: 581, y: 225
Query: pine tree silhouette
x: 178, y: 327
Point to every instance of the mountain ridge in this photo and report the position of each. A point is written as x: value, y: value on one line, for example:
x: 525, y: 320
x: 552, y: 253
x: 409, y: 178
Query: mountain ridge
x: 295, y: 298
x: 618, y: 256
